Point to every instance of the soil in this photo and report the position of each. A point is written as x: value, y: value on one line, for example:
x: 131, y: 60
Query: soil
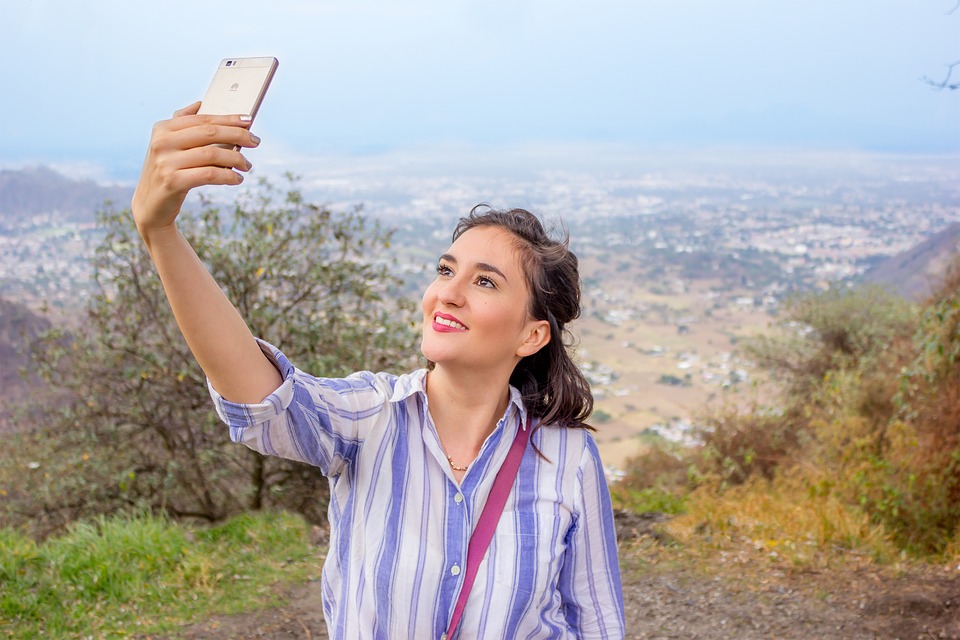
x: 671, y: 593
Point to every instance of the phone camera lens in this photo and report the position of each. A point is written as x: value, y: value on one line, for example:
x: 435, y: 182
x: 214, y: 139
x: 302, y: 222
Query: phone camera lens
x: 229, y: 63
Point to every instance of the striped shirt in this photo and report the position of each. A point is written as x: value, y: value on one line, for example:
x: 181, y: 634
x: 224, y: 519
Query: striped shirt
x: 400, y: 523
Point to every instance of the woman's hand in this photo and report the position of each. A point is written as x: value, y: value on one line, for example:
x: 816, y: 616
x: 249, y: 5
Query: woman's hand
x: 184, y: 154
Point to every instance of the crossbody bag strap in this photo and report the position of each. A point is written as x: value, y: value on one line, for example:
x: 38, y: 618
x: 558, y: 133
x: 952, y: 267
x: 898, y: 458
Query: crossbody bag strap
x: 489, y: 517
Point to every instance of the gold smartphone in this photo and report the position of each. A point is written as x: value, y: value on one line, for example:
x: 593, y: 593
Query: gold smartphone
x: 238, y: 87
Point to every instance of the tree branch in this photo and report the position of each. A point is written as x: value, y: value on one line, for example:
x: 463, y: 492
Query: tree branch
x: 945, y: 83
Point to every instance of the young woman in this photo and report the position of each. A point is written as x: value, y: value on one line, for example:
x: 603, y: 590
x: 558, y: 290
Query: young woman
x: 412, y: 458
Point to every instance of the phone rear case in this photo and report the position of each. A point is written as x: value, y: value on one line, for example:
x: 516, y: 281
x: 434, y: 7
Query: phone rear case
x: 238, y: 86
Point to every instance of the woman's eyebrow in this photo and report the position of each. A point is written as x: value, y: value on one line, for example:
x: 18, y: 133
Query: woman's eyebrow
x: 482, y: 266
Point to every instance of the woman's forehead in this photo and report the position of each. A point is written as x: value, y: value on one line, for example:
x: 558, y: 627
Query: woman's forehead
x: 487, y: 244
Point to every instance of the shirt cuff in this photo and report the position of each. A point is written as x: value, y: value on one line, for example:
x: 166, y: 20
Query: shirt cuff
x: 238, y: 414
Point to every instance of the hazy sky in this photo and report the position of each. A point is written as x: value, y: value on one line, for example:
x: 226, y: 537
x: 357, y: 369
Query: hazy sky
x: 85, y: 81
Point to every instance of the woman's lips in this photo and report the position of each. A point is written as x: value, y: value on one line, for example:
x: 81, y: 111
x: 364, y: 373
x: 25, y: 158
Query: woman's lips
x: 446, y: 324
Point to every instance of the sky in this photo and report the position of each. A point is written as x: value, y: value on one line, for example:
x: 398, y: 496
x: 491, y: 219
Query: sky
x: 84, y: 82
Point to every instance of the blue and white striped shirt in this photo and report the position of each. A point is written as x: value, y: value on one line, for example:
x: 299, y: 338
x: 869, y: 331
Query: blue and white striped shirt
x: 400, y: 523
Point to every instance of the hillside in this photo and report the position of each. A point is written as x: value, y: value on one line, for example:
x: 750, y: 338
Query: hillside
x: 19, y: 327
x: 918, y: 271
x: 38, y: 190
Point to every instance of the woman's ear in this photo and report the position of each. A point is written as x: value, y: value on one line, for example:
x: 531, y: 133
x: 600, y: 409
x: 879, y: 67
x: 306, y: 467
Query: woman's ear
x: 537, y: 337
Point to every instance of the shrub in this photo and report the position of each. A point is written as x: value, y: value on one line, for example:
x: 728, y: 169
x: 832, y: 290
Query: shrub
x: 140, y: 430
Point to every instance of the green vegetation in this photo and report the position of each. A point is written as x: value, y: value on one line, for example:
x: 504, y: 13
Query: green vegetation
x: 125, y: 426
x: 138, y: 575
x: 649, y: 499
x: 674, y: 381
x: 859, y: 448
x: 600, y: 416
x: 133, y: 425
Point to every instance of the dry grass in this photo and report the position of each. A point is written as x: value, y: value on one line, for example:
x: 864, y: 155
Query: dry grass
x: 787, y: 519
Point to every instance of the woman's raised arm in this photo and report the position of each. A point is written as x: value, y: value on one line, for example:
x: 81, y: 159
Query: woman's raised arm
x: 184, y: 153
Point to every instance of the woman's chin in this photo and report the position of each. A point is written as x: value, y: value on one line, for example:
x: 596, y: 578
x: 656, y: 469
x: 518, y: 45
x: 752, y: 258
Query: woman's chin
x: 431, y: 353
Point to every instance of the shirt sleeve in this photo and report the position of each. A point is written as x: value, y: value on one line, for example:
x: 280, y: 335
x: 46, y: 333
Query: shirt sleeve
x: 320, y: 421
x: 590, y: 588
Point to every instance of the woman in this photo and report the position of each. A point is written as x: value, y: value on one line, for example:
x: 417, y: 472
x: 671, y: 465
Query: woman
x: 412, y: 458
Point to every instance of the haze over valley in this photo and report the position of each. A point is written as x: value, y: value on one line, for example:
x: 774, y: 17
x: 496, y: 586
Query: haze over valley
x: 683, y: 255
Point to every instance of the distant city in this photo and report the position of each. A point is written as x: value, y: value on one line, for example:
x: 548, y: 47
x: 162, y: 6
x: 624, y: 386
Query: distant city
x: 770, y: 223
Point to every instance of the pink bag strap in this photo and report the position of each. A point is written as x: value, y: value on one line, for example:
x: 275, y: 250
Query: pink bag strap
x: 489, y: 517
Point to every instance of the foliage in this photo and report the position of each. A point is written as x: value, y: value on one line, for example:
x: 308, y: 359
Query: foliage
x: 141, y: 429
x: 829, y: 358
x: 916, y: 486
x: 656, y: 480
x: 740, y: 444
x: 113, y: 575
x: 649, y: 500
x: 866, y: 416
x: 831, y: 331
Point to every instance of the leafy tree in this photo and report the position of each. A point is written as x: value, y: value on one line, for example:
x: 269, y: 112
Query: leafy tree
x: 831, y: 331
x: 918, y: 489
x: 141, y: 429
x: 868, y: 410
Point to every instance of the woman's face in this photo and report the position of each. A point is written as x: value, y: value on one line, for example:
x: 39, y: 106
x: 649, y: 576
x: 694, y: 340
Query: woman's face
x: 476, y: 311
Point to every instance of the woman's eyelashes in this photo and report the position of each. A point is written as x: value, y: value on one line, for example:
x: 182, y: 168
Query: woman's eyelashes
x: 480, y: 280
x: 484, y: 281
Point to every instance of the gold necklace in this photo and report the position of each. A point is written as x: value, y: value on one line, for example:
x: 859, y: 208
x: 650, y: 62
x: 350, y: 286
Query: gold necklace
x: 454, y: 466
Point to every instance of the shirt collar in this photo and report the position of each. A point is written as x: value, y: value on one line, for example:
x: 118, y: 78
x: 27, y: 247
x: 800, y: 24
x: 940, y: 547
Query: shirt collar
x: 416, y: 382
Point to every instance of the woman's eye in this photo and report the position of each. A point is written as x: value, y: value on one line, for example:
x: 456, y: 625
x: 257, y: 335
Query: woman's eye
x: 443, y: 270
x: 484, y: 281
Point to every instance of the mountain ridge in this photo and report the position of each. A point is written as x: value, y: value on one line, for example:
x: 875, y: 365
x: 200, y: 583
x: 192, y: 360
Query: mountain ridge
x: 40, y: 189
x: 918, y: 272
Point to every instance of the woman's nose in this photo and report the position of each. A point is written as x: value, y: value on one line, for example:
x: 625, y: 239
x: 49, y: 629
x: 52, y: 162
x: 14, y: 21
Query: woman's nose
x: 451, y: 292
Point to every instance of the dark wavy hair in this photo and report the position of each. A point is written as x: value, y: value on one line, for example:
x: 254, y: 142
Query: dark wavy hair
x: 552, y: 386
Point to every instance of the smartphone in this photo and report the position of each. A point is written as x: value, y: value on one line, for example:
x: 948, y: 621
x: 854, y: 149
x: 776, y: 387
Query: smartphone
x: 238, y: 87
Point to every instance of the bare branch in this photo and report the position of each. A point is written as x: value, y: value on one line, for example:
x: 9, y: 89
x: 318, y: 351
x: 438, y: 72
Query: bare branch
x: 945, y: 83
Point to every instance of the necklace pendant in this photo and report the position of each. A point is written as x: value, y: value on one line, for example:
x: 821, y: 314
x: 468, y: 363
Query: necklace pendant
x: 454, y: 466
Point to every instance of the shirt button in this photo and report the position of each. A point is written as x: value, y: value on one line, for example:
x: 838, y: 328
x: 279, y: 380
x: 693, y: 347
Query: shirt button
x: 458, y: 498
x: 455, y: 570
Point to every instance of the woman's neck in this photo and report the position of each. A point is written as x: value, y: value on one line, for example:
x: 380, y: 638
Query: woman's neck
x: 465, y: 409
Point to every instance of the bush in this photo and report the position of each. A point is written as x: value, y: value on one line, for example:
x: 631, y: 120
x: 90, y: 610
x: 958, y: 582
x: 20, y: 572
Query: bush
x: 740, y: 444
x: 140, y: 430
x: 866, y: 414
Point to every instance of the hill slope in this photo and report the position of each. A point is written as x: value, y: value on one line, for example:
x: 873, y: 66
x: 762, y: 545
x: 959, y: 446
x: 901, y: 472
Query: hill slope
x: 39, y: 190
x: 917, y: 272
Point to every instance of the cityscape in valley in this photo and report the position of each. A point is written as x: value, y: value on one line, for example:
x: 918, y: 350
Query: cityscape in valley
x: 682, y: 255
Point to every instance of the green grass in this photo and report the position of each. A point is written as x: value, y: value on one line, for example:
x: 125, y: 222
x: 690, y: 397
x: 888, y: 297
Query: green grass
x: 645, y: 500
x: 136, y: 575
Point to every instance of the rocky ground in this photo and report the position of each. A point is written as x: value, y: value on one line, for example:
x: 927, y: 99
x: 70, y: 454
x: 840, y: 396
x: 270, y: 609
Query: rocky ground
x: 671, y: 593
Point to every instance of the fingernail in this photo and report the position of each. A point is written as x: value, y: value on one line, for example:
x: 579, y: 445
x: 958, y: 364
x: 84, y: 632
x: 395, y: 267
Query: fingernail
x: 239, y: 178
x: 256, y: 139
x: 246, y: 119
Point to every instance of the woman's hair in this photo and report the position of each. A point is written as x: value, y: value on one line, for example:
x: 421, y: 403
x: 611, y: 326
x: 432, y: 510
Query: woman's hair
x: 552, y: 386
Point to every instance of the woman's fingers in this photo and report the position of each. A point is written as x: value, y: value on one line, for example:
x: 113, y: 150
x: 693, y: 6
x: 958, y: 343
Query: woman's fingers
x: 209, y: 126
x: 209, y: 133
x: 186, y: 179
x: 188, y: 151
x: 188, y: 110
x: 209, y: 156
x: 177, y: 173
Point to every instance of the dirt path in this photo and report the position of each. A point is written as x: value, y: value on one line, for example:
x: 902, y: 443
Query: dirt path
x: 669, y: 594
